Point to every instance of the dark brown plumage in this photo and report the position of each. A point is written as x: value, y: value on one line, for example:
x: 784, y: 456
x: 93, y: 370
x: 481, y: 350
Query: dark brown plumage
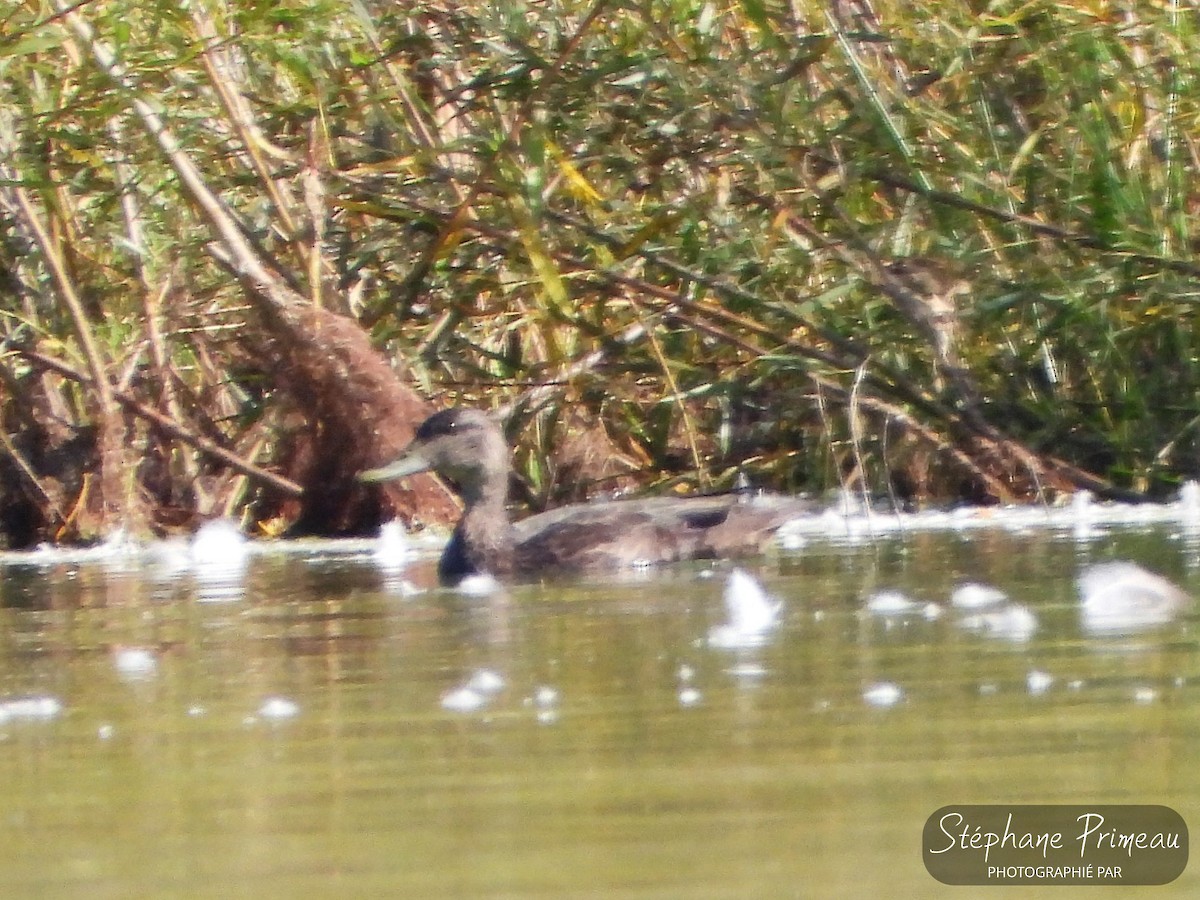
x: 467, y: 448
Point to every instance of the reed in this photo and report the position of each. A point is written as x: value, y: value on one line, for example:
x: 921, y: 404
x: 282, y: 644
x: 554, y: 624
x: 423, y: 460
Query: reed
x: 942, y: 251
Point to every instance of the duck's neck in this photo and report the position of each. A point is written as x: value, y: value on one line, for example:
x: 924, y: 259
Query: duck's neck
x: 482, y: 542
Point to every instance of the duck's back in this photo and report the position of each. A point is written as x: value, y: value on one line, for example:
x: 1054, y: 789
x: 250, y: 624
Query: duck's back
x: 622, y: 533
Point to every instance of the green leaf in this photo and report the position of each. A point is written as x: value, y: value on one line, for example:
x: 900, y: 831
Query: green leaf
x: 25, y: 45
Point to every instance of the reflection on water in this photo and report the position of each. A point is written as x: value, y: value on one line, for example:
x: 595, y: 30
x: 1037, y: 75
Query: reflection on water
x: 332, y: 729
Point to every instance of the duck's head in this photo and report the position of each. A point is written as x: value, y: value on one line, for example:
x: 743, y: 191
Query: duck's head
x: 465, y: 446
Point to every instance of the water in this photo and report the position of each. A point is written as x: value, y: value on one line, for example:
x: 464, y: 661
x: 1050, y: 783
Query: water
x: 289, y: 728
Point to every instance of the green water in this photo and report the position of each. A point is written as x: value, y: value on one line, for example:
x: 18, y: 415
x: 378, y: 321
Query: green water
x: 623, y: 757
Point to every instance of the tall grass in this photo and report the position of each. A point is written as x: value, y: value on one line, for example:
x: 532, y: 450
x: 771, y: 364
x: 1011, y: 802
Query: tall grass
x: 670, y: 225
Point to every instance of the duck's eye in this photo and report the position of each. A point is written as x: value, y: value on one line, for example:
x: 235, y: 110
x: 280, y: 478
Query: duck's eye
x: 439, y: 425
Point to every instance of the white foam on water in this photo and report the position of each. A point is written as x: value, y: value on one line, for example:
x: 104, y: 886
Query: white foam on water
x: 883, y: 694
x: 752, y: 614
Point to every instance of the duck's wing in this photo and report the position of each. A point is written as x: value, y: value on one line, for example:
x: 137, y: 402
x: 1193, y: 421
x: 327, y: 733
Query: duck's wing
x: 616, y: 534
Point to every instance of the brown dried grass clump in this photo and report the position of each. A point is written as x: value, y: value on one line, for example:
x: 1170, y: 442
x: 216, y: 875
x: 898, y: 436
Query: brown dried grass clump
x: 357, y: 414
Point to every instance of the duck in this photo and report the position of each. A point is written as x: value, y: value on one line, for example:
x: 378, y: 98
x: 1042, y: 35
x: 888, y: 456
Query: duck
x: 466, y: 448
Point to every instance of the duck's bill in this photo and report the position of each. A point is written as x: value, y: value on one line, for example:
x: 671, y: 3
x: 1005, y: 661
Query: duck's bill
x: 408, y: 464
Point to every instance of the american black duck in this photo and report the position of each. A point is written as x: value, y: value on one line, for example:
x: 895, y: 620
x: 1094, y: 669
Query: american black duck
x: 467, y: 449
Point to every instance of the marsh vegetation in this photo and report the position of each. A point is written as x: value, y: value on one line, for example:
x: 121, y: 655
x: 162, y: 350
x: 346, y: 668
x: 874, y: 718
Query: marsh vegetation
x: 937, y: 251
